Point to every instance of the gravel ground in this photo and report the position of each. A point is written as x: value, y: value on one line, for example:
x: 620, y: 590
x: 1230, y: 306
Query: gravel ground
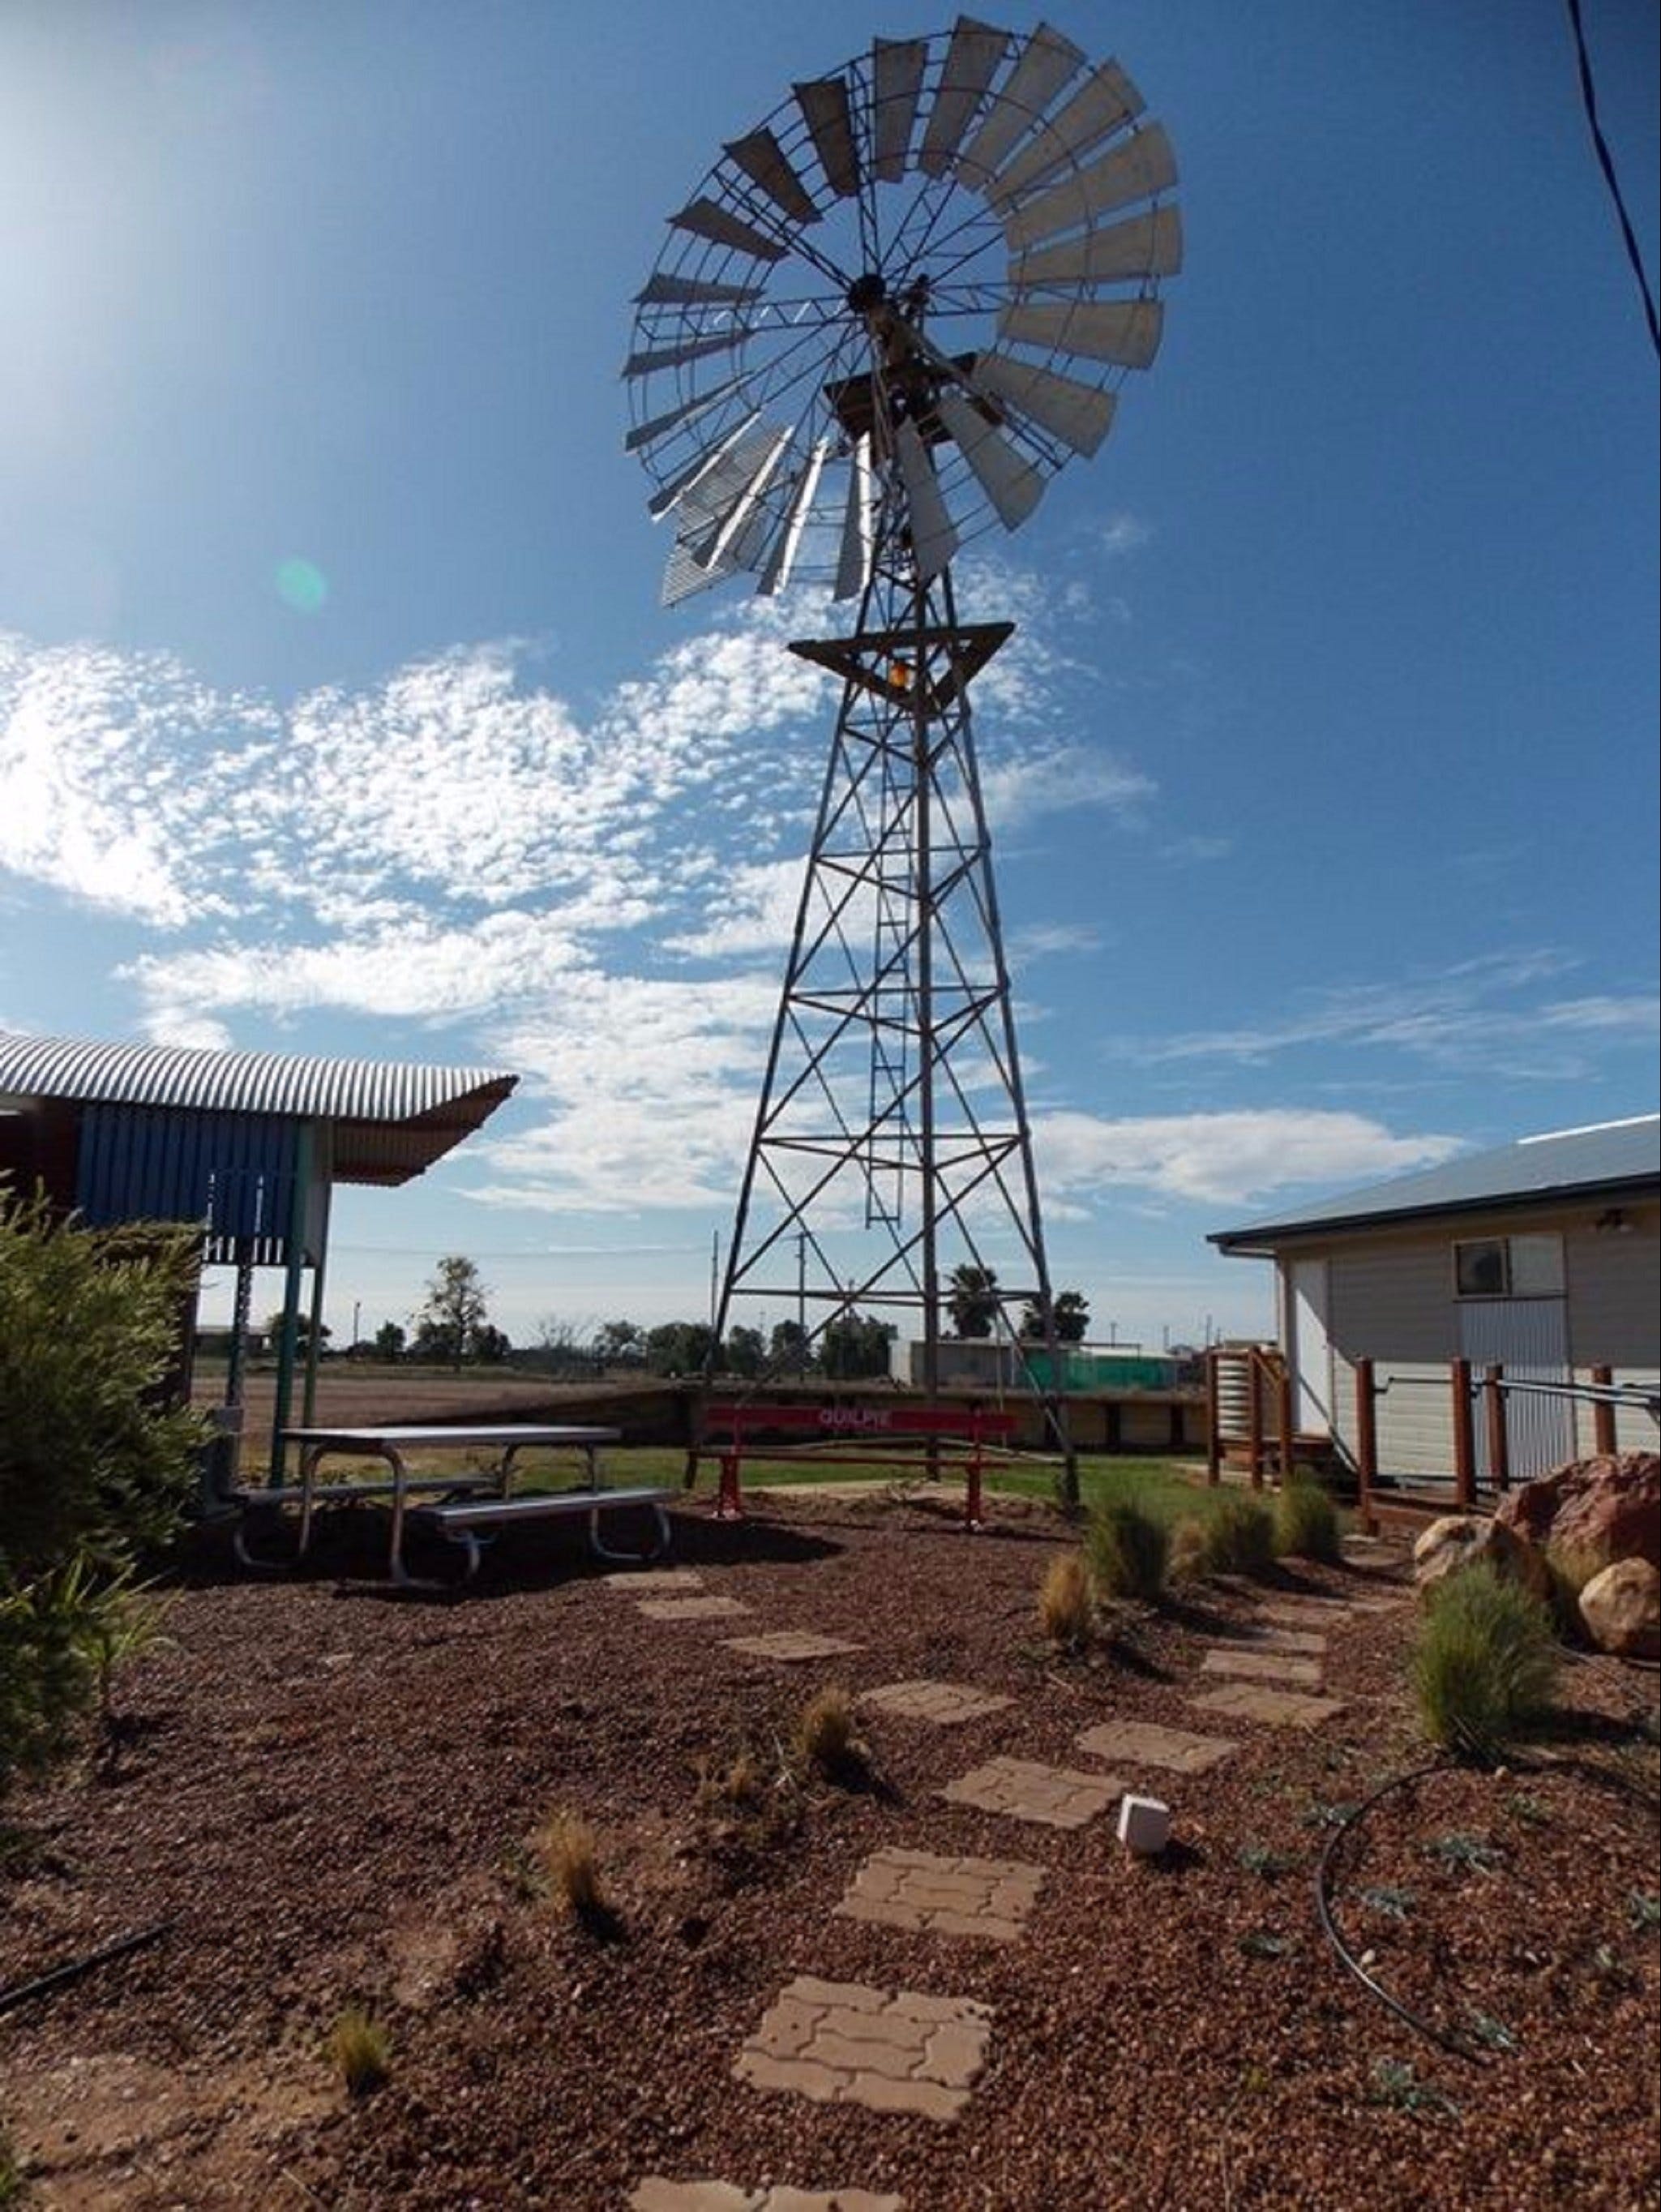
x: 329, y: 1792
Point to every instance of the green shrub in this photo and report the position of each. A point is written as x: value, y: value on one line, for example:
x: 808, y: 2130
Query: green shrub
x: 359, y: 2050
x: 1239, y: 1538
x: 1129, y: 1551
x: 1306, y: 1523
x: 94, y: 1471
x: 1484, y: 1664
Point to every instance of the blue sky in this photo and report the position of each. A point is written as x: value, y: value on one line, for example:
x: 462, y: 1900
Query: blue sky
x: 338, y: 715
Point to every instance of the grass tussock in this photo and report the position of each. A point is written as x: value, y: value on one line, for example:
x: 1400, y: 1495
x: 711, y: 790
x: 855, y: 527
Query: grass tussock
x: 1484, y: 1668
x: 1129, y: 1552
x: 826, y: 1737
x: 360, y: 2050
x: 1187, y: 1549
x: 1066, y: 1607
x: 568, y: 1858
x: 1239, y: 1538
x: 1306, y: 1525
x: 1571, y: 1567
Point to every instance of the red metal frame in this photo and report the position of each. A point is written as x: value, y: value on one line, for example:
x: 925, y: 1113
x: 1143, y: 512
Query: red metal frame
x: 731, y: 1428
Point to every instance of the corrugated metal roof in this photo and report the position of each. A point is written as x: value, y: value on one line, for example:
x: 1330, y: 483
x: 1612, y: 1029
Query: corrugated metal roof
x: 390, y: 1119
x: 1567, y: 1163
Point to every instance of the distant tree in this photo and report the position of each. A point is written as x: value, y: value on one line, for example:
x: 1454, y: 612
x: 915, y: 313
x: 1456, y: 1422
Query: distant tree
x: 788, y: 1349
x: 972, y: 1300
x: 677, y: 1347
x: 390, y: 1340
x: 746, y: 1351
x: 1072, y: 1318
x: 490, y: 1344
x: 448, y: 1324
x: 855, y: 1345
x: 302, y: 1328
x: 620, y: 1344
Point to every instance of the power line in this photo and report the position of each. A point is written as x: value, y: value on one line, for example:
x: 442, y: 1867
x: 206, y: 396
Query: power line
x: 1606, y: 163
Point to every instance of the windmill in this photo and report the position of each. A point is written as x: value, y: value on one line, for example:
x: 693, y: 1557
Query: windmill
x: 889, y: 315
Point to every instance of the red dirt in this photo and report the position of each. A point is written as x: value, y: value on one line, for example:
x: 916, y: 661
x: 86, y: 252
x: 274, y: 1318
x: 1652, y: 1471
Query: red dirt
x: 329, y: 1792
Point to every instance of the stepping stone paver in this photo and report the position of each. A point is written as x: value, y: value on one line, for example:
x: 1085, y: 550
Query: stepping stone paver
x: 1054, y: 1796
x: 943, y: 1897
x: 943, y: 1703
x: 655, y: 1581
x: 693, y: 1608
x: 1257, y: 1701
x: 655, y: 2194
x: 791, y: 1644
x: 1307, y: 1642
x: 1143, y: 1743
x: 844, y: 2043
x: 1262, y: 1666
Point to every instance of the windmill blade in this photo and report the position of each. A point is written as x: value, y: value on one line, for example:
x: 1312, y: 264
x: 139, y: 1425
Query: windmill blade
x: 661, y: 291
x: 971, y: 62
x: 782, y: 557
x: 693, y: 560
x: 1105, y: 103
x: 1047, y: 61
x: 897, y: 78
x: 708, y: 219
x: 853, y: 565
x: 727, y: 522
x: 646, y: 433
x: 704, y: 465
x: 764, y: 161
x: 1078, y: 414
x: 1013, y: 485
x: 678, y: 356
x: 1125, y: 332
x: 1136, y: 170
x: 1149, y: 245
x: 934, y: 536
x: 824, y: 104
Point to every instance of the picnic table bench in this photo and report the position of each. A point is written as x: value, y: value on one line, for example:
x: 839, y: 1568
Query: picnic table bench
x: 856, y: 1436
x: 466, y: 1507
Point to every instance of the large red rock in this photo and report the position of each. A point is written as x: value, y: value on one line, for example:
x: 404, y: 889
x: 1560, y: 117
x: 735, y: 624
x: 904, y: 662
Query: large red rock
x: 1622, y: 1609
x: 1610, y: 1506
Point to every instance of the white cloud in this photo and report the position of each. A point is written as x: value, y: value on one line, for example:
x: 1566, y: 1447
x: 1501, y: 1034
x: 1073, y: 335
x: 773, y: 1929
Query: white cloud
x: 1122, y: 532
x: 1223, y: 1158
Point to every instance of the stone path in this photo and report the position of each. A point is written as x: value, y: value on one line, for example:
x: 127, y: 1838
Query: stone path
x: 693, y: 1608
x: 656, y: 2195
x: 1052, y: 1796
x: 1256, y: 1701
x: 655, y: 1582
x: 790, y: 1646
x: 907, y: 2051
x: 946, y: 1704
x: 841, y: 2042
x: 1141, y: 1743
x: 944, y: 1897
x: 1262, y: 1666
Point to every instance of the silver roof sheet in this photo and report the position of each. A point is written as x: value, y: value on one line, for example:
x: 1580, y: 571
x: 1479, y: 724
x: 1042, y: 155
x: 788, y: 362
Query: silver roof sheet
x: 392, y: 1119
x: 1564, y: 1164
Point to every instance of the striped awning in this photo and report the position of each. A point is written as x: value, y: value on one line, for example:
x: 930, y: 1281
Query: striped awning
x: 389, y: 1120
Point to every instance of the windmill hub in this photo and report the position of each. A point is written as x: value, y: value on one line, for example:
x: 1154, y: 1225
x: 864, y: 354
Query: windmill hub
x: 867, y: 293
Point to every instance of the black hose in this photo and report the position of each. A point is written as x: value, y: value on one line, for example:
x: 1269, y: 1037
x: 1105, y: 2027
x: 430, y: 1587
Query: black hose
x: 21, y: 1992
x: 1458, y: 2047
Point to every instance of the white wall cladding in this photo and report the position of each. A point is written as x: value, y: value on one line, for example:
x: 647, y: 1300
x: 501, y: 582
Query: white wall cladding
x: 1615, y: 1292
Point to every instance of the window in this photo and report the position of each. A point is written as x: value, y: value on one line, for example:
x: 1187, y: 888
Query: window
x: 1509, y: 1268
x: 1481, y: 1270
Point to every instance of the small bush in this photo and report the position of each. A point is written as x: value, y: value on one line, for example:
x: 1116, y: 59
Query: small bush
x: 1484, y: 1665
x: 1066, y: 1610
x: 1187, y: 1549
x: 1130, y: 1551
x: 1239, y: 1538
x: 825, y: 1736
x: 360, y: 2051
x: 1306, y: 1523
x: 569, y: 1860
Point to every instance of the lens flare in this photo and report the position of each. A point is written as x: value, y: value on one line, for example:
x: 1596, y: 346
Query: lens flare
x: 302, y: 586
